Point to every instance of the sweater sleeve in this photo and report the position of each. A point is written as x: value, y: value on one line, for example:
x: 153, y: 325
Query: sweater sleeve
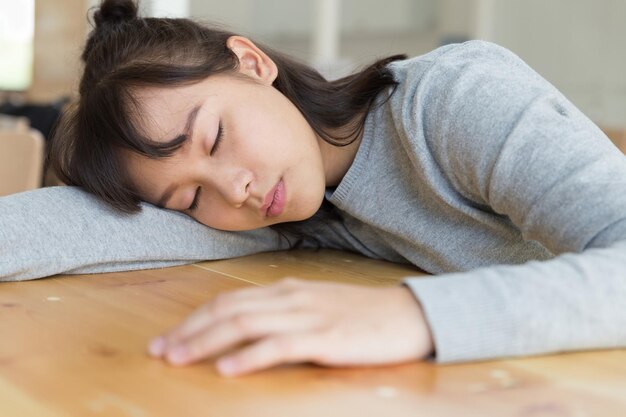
x: 66, y: 230
x: 510, y: 142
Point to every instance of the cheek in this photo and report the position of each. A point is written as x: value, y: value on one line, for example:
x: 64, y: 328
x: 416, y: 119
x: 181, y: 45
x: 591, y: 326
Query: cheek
x: 221, y: 217
x: 231, y: 224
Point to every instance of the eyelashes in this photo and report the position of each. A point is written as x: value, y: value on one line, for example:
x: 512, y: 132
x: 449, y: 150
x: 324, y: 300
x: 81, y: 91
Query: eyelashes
x: 218, y: 139
x: 216, y: 144
x: 194, y: 203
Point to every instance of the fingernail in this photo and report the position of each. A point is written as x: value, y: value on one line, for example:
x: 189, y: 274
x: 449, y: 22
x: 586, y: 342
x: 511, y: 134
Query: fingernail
x: 178, y: 354
x: 157, y: 346
x: 227, y: 366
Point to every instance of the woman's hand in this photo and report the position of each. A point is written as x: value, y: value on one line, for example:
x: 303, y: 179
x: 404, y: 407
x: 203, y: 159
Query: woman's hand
x: 301, y: 321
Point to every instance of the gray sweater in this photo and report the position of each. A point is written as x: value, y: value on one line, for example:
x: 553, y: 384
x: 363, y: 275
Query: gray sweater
x: 476, y: 170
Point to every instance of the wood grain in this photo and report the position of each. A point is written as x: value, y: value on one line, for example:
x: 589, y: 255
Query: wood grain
x: 75, y: 346
x: 617, y: 136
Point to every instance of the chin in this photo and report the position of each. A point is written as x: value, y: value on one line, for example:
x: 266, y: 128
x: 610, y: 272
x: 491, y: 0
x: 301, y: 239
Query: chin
x: 315, y: 205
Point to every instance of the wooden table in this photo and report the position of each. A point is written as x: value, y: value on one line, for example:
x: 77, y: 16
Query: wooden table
x: 76, y: 346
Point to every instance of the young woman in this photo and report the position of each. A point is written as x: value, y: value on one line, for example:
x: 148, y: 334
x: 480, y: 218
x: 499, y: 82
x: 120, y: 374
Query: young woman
x: 463, y: 162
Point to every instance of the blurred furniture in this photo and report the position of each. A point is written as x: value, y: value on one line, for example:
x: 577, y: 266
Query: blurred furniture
x: 18, y: 115
x: 76, y: 346
x: 13, y: 123
x: 21, y: 159
x: 40, y: 116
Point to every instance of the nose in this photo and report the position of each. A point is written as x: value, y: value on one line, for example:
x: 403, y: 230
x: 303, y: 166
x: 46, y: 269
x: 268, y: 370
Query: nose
x: 236, y: 187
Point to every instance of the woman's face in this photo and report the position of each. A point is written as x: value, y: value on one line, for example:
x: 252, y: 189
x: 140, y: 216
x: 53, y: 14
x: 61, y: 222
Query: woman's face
x: 264, y: 141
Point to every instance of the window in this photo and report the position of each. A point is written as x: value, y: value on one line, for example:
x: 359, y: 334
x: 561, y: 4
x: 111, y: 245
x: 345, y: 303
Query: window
x: 17, y: 23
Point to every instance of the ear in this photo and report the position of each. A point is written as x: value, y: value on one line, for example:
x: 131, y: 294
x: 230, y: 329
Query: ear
x: 253, y: 62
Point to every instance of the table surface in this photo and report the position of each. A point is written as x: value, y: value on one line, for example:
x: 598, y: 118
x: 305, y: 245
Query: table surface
x: 75, y: 346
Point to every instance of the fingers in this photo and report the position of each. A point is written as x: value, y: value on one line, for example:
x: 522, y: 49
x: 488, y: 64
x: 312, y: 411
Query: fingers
x: 293, y: 321
x: 271, y: 352
x: 244, y: 328
x: 221, y: 309
x: 225, y: 306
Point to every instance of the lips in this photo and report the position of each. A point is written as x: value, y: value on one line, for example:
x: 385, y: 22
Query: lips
x: 269, y: 198
x: 274, y: 202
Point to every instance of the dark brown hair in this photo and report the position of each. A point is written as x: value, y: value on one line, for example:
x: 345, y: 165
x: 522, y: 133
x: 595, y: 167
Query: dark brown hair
x: 125, y: 51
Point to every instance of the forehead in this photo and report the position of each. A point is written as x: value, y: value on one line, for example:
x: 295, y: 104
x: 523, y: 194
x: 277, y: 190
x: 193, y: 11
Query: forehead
x: 162, y: 112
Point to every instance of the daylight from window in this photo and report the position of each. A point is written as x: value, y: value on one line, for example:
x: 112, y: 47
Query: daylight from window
x: 17, y: 20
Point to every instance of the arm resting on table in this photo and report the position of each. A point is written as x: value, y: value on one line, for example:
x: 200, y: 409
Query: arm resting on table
x: 66, y: 230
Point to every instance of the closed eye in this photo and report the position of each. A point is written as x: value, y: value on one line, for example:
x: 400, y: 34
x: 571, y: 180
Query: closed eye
x: 216, y: 144
x: 194, y: 203
x: 218, y: 139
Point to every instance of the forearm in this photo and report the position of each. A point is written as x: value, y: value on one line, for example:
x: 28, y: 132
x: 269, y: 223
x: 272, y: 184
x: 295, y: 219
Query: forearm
x: 572, y: 302
x: 65, y: 230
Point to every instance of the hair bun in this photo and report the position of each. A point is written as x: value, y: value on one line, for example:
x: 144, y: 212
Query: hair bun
x: 115, y: 11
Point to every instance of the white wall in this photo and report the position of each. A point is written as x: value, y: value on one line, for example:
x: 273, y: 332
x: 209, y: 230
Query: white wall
x: 579, y: 46
x: 288, y: 26
x: 270, y: 18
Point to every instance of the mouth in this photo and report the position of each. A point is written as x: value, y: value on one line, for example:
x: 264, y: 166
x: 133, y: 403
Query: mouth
x: 275, y: 200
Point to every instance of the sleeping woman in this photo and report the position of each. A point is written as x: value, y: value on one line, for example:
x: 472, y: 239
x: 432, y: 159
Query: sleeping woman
x: 191, y: 143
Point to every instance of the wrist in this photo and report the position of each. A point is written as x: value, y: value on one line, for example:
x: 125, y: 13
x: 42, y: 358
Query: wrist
x: 414, y: 307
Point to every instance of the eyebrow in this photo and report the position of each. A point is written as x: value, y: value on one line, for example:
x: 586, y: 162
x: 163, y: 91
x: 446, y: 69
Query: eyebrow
x: 176, y: 143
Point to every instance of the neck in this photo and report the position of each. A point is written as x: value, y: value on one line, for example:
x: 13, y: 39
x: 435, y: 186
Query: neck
x: 338, y: 159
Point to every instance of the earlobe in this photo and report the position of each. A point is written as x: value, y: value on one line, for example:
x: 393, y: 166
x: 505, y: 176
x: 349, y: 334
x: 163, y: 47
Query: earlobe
x: 253, y: 62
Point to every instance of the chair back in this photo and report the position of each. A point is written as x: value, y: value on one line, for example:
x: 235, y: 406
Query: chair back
x: 21, y: 160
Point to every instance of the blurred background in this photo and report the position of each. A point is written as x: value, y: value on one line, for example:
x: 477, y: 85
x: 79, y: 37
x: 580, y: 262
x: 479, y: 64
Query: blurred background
x: 577, y: 45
